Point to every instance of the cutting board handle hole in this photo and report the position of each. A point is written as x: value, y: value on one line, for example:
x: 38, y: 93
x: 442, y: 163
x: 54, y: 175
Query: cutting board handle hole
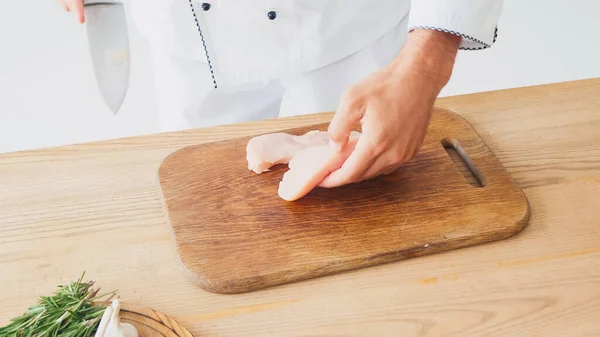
x: 463, y: 162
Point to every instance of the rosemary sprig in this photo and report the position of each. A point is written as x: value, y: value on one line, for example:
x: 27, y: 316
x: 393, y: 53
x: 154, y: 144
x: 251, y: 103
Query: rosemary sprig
x: 70, y: 312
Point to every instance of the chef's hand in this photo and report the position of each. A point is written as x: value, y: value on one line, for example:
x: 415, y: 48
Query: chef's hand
x: 393, y: 106
x: 75, y: 6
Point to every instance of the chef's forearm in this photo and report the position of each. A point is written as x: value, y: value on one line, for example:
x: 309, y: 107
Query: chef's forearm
x: 431, y: 53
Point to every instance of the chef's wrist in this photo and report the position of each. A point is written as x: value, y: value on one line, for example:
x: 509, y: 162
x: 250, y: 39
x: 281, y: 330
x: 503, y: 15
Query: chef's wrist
x: 430, y: 54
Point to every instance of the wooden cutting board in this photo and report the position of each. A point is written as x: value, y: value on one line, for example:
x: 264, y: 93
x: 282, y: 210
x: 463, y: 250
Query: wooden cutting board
x: 234, y: 234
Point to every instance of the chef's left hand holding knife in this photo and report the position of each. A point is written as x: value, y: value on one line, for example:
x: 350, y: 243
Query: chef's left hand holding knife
x: 393, y: 106
x: 75, y: 6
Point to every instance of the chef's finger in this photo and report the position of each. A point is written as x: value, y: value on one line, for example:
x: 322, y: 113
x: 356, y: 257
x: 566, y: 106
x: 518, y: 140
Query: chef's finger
x: 380, y: 166
x: 391, y: 170
x: 79, y: 11
x: 386, y: 163
x: 347, y: 115
x: 353, y: 168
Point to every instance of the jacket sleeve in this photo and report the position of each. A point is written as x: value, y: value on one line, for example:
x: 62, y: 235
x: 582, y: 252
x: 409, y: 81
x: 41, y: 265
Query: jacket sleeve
x: 474, y: 20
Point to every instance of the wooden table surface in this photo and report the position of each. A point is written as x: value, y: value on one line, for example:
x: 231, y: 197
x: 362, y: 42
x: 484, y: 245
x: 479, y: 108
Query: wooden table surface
x: 95, y: 207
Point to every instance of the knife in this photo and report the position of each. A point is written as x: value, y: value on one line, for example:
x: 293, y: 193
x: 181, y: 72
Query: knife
x: 108, y: 41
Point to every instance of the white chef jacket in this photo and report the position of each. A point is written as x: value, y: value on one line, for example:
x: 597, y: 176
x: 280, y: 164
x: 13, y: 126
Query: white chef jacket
x: 252, y: 40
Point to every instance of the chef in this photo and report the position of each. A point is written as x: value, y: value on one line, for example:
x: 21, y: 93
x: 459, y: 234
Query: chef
x: 380, y: 63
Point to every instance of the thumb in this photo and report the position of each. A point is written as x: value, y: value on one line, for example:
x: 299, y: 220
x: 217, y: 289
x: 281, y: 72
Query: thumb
x: 347, y: 115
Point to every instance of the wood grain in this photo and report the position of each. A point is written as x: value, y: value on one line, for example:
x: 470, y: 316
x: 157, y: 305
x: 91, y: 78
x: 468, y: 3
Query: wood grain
x: 95, y: 207
x: 234, y: 234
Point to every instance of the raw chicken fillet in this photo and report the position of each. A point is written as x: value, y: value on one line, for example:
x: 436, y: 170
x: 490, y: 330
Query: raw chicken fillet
x: 265, y: 151
x: 310, y: 158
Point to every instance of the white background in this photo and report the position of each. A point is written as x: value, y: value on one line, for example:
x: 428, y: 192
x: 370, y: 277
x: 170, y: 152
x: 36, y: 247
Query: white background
x: 48, y: 94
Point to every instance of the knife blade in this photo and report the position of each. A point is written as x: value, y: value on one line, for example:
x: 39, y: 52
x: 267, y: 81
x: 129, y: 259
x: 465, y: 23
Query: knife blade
x: 108, y: 41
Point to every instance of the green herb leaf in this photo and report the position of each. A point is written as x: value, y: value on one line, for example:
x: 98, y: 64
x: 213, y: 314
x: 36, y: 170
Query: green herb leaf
x: 70, y: 312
